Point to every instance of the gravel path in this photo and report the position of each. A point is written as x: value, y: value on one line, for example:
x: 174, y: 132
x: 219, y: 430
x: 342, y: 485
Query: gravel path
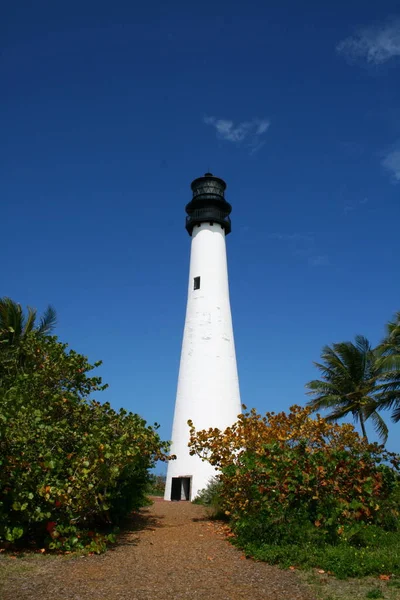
x: 177, y: 554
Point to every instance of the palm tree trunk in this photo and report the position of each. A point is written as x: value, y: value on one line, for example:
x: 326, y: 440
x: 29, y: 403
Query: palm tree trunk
x: 362, y: 424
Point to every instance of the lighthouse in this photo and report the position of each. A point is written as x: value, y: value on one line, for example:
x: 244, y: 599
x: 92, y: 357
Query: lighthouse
x: 208, y: 386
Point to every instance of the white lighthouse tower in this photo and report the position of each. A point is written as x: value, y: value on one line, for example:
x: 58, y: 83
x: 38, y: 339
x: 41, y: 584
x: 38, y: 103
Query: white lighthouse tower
x: 208, y: 386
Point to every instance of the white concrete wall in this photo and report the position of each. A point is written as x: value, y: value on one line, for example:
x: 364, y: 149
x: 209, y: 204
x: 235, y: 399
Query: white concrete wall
x: 208, y: 387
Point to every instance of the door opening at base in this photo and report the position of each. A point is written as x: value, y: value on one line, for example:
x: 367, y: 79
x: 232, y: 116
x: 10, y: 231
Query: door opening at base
x: 180, y: 488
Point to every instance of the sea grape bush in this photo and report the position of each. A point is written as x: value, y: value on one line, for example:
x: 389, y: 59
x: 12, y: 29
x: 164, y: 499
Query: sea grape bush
x: 156, y: 485
x: 69, y: 465
x: 288, y: 477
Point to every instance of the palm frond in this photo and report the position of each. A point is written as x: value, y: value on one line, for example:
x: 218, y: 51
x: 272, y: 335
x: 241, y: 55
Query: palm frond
x: 326, y: 371
x: 350, y: 382
x: 334, y: 359
x: 321, y: 387
x: 29, y: 321
x: 390, y: 345
x: 48, y: 321
x: 362, y: 344
x: 324, y: 402
x: 388, y: 399
x: 390, y: 362
x: 380, y: 426
x: 396, y: 414
x: 12, y: 319
x: 339, y: 413
x: 14, y: 324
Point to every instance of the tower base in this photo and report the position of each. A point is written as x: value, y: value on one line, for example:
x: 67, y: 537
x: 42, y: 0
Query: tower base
x: 185, y: 485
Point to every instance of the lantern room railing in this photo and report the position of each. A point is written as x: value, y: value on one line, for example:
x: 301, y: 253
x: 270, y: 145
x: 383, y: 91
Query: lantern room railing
x: 208, y: 214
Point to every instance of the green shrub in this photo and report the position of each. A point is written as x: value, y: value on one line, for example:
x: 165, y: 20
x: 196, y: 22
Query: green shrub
x: 70, y: 466
x: 299, y: 490
x: 210, y: 497
x: 156, y: 485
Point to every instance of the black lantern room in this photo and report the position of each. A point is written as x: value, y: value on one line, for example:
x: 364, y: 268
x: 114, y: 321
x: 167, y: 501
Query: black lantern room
x: 208, y: 204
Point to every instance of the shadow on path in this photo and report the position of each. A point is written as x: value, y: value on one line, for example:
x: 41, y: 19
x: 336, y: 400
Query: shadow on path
x: 169, y: 551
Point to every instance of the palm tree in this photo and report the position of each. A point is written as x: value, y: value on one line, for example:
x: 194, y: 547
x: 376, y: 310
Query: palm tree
x: 15, y: 325
x: 389, y: 363
x: 349, y: 384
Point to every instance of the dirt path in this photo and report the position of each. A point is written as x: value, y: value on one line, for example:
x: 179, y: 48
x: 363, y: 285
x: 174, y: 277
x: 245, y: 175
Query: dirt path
x: 176, y: 555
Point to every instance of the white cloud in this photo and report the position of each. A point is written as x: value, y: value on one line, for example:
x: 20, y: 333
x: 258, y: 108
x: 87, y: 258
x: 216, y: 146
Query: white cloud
x: 391, y: 163
x: 320, y: 260
x: 292, y: 237
x: 376, y: 44
x: 302, y: 246
x: 262, y: 127
x: 355, y: 206
x: 246, y: 131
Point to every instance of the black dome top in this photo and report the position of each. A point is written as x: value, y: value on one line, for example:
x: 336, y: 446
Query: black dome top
x: 208, y: 204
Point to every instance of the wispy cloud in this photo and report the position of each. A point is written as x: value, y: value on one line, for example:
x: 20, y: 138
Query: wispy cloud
x: 247, y: 132
x: 302, y: 245
x: 321, y: 260
x: 355, y: 205
x: 391, y: 162
x: 375, y: 44
x: 295, y: 238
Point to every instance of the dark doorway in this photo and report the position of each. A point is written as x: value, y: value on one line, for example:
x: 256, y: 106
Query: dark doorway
x: 176, y: 488
x: 180, y: 488
x: 185, y: 482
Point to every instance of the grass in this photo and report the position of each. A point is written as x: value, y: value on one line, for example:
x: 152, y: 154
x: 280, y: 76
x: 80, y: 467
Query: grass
x: 394, y: 583
x: 342, y: 561
x: 378, y: 554
x: 325, y: 587
x: 21, y: 564
x: 375, y: 593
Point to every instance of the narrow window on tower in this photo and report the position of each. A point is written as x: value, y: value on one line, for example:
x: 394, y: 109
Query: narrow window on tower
x: 196, y: 284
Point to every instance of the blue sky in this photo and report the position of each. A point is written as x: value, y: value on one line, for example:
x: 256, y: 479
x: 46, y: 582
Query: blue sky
x: 109, y: 110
